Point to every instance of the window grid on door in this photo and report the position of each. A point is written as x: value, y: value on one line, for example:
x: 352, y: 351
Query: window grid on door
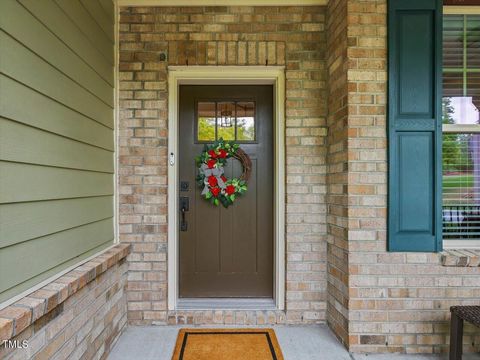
x: 231, y: 120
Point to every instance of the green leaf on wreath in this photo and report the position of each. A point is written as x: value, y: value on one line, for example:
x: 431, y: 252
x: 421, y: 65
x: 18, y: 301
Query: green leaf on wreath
x: 224, y: 201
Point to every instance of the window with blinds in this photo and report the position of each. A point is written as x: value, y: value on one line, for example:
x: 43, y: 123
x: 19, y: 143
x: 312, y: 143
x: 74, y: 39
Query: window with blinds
x: 461, y: 127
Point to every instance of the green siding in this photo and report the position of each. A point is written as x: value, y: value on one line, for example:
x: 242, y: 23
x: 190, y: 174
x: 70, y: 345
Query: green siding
x: 56, y: 137
x: 54, y: 116
x: 53, y: 17
x: 25, y: 221
x: 25, y: 28
x: 16, y: 183
x: 81, y: 17
x: 102, y: 18
x: 415, y: 120
x: 21, y: 64
x: 25, y: 144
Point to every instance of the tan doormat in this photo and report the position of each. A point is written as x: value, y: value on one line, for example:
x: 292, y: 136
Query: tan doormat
x: 227, y: 344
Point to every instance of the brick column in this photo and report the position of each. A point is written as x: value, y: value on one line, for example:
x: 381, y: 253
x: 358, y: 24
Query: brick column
x: 367, y: 87
x: 337, y: 175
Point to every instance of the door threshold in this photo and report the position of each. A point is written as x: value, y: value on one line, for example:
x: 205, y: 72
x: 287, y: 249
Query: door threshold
x: 225, y: 304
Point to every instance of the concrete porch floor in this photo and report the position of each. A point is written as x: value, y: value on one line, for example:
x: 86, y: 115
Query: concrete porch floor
x: 297, y: 343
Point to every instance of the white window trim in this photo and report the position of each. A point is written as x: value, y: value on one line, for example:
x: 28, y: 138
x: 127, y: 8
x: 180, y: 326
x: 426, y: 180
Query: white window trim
x: 460, y: 128
x: 461, y: 10
x: 461, y: 244
x: 227, y: 75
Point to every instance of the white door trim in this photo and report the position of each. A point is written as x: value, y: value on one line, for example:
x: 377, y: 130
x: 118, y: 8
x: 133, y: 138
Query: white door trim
x: 227, y: 75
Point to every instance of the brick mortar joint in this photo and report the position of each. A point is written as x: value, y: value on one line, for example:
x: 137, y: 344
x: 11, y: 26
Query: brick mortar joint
x: 76, y: 279
x: 460, y: 258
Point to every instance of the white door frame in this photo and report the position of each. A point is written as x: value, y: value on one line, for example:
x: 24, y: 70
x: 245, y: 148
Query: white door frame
x: 226, y: 75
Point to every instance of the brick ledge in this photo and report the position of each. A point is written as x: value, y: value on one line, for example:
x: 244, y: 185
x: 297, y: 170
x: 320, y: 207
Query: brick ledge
x: 461, y: 258
x: 17, y: 317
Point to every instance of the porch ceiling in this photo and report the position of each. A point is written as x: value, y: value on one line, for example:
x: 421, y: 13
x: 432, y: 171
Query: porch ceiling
x: 220, y: 2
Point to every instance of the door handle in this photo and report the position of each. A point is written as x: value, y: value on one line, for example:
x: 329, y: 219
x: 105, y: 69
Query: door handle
x: 183, y: 214
x: 184, y: 207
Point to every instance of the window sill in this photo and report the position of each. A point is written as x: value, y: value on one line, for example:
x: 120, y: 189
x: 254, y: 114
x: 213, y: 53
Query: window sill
x: 17, y: 317
x: 461, y: 258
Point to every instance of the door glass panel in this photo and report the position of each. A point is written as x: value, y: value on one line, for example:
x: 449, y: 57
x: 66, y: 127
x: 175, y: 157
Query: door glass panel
x: 246, y: 121
x: 229, y: 120
x: 206, y: 121
x: 226, y: 120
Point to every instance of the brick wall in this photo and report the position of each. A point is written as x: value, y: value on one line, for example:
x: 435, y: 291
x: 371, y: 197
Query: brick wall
x: 290, y: 36
x: 398, y: 302
x: 377, y: 301
x: 337, y: 196
x: 78, y: 316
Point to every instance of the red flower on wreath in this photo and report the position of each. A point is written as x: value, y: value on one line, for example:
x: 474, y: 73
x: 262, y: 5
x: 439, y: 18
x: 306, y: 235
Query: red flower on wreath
x: 211, y: 163
x: 218, y: 189
x: 215, y: 191
x: 222, y: 154
x: 212, y: 181
x: 230, y: 189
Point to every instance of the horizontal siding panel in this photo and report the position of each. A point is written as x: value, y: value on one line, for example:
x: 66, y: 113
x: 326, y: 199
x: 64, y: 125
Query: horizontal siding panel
x: 21, y: 143
x: 109, y: 8
x: 25, y: 221
x: 16, y: 183
x: 23, y: 65
x: 26, y: 285
x: 47, y: 252
x: 100, y: 16
x: 50, y: 115
x: 20, y: 24
x: 80, y: 16
x: 52, y: 16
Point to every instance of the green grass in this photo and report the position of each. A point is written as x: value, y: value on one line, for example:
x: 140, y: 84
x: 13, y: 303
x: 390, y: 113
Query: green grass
x: 463, y: 180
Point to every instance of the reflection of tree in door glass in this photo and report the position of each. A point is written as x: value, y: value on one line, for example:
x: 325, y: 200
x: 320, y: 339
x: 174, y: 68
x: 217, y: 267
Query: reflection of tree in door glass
x: 206, y: 121
x: 228, y: 120
x: 246, y: 121
x: 206, y: 129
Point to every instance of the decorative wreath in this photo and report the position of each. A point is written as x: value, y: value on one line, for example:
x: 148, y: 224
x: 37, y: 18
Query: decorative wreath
x: 216, y: 187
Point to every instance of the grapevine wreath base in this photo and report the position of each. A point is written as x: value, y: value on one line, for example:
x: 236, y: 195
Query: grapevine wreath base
x: 216, y: 187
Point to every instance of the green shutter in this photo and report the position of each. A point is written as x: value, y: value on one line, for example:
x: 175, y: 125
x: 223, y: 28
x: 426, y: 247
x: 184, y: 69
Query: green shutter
x: 414, y: 125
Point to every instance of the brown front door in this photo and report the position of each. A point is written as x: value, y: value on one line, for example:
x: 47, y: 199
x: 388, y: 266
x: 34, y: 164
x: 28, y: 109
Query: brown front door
x: 227, y: 252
